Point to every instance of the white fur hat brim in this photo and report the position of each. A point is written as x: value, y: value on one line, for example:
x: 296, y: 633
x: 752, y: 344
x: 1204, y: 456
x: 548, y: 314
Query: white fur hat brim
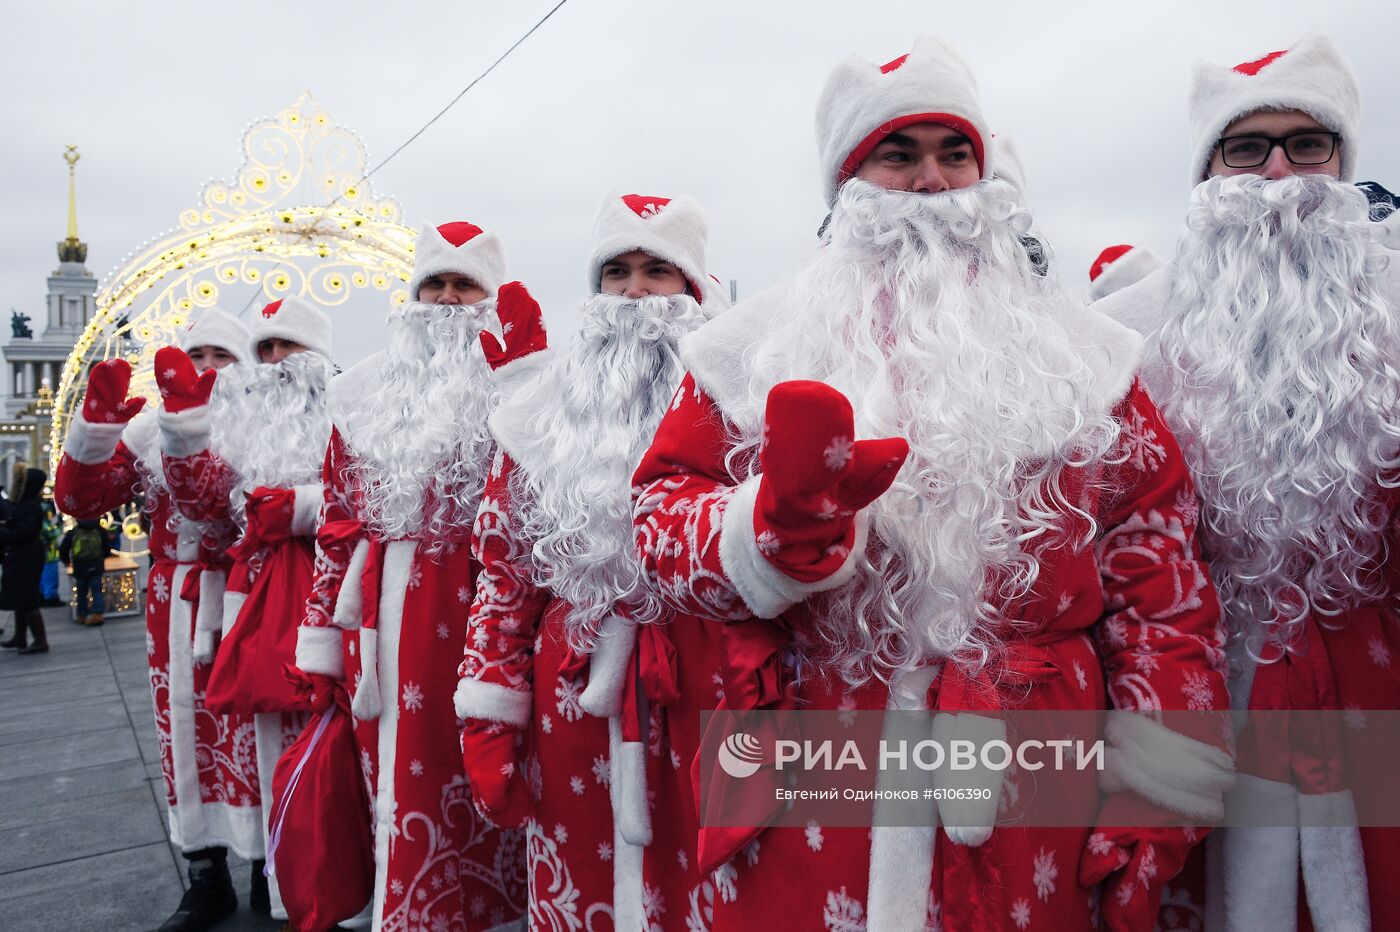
x: 674, y: 230
x: 863, y: 103
x: 217, y: 327
x: 297, y: 320
x: 1313, y: 76
x: 1128, y: 269
x: 481, y: 258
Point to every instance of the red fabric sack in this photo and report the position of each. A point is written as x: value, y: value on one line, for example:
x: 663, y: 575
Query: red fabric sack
x: 247, y: 675
x: 320, y: 837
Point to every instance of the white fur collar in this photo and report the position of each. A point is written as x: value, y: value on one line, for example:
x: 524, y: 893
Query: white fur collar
x: 717, y: 354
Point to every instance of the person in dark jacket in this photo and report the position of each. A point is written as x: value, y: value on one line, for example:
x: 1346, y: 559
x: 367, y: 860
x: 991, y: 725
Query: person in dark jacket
x: 85, y: 548
x: 23, y: 563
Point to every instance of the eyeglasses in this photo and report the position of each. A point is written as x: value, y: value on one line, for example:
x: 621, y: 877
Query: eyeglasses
x: 1313, y: 147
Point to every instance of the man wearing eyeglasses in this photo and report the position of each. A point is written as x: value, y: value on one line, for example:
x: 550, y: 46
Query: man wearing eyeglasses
x: 1273, y: 338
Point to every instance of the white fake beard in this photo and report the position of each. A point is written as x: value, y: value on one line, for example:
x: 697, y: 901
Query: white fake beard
x: 599, y: 407
x: 1281, y: 385
x: 422, y: 445
x: 284, y: 426
x: 926, y: 312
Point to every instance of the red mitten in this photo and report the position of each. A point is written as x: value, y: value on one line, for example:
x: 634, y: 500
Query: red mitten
x: 522, y: 326
x: 816, y: 476
x: 181, y: 387
x: 314, y: 691
x: 1134, y: 863
x: 493, y: 754
x: 107, y: 388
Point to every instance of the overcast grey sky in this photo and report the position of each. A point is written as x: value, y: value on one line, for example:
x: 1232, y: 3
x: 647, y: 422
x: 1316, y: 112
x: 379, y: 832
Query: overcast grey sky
x: 712, y: 99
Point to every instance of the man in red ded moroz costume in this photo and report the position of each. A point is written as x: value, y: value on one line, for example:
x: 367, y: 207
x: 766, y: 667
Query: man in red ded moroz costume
x: 562, y: 601
x: 1025, y: 540
x: 1273, y: 336
x: 265, y: 477
x: 113, y: 455
x: 407, y: 462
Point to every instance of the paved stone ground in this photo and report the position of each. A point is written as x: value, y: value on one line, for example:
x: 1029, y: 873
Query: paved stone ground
x: 83, y: 843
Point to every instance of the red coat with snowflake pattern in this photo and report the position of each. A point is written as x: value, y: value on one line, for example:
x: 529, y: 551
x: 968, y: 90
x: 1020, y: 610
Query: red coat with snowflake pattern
x: 1130, y: 620
x: 208, y: 761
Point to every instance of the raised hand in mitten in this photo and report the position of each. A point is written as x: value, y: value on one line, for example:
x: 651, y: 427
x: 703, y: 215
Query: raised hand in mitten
x: 816, y: 477
x: 1135, y: 861
x: 181, y: 387
x: 107, y: 388
x: 493, y: 754
x: 522, y: 326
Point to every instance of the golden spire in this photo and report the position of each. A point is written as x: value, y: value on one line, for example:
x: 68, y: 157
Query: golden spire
x: 71, y: 249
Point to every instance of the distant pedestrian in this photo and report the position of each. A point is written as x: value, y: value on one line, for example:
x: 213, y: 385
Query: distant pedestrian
x: 48, y: 580
x: 23, y: 563
x: 85, y: 549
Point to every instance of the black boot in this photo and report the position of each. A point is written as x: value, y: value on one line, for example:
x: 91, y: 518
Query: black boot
x: 210, y: 896
x: 19, y: 638
x: 258, y: 899
x: 40, y: 644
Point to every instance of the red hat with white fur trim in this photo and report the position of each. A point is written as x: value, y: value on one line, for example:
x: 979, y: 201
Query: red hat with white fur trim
x: 1312, y: 76
x: 459, y: 247
x: 864, y: 102
x: 217, y: 327
x: 297, y: 320
x: 1117, y: 267
x: 670, y: 228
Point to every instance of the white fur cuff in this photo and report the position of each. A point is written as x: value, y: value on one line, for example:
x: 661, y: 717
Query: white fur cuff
x: 184, y: 433
x: 510, y: 377
x: 306, y: 508
x: 203, y: 646
x: 319, y: 651
x: 492, y: 702
x: 765, y: 589
x: 1165, y: 767
x: 90, y: 443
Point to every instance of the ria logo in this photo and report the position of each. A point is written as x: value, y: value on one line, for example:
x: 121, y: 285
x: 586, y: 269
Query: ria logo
x: 740, y: 755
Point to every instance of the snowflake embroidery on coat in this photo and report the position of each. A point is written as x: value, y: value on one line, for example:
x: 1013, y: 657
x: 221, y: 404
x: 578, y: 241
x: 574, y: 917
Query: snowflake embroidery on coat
x: 1380, y: 654
x: 566, y: 694
x: 602, y: 771
x: 767, y: 543
x: 1139, y: 444
x: 842, y: 913
x: 546, y: 724
x: 561, y: 834
x: 1100, y: 844
x: 412, y: 697
x: 1021, y: 913
x: 1045, y: 874
x: 653, y: 902
x: 1080, y: 676
x: 442, y: 631
x: 161, y: 588
x: 1355, y: 718
x: 604, y: 851
x: 464, y: 595
x: 724, y: 878
x: 814, y: 836
x: 1199, y: 691
x: 415, y: 767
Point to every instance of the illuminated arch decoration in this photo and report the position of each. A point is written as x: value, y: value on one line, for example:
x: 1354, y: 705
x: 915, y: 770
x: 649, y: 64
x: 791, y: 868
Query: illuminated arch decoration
x: 295, y: 220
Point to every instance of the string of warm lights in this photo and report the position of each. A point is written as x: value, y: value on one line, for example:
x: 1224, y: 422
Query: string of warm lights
x: 255, y: 230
